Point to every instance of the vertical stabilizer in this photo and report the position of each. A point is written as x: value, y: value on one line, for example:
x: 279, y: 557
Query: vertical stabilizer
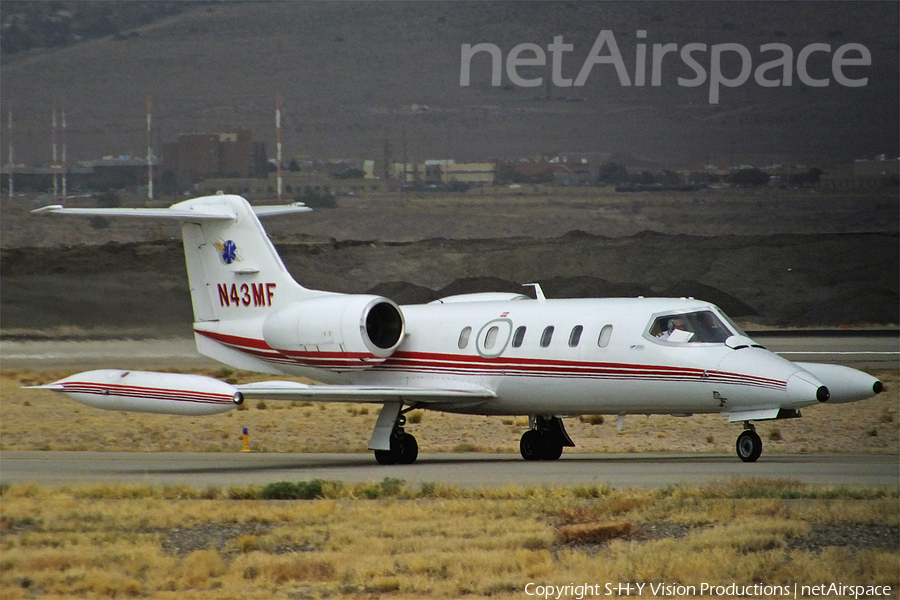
x: 233, y: 269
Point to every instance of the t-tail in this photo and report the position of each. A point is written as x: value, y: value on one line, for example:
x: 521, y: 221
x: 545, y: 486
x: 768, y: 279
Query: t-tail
x: 249, y: 312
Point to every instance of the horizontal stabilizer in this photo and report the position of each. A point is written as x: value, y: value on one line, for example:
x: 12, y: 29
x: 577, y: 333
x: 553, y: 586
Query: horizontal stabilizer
x: 178, y: 212
x: 281, y: 209
x: 288, y: 390
x: 201, y: 213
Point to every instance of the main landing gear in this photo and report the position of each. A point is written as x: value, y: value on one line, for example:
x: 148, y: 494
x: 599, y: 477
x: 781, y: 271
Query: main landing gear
x: 404, y: 448
x: 545, y: 439
x: 749, y: 444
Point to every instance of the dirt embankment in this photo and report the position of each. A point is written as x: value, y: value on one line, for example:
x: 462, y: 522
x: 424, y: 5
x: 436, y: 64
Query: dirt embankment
x: 767, y: 257
x: 779, y: 280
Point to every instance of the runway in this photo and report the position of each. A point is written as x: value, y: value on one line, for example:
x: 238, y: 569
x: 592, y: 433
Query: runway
x: 859, y: 349
x: 464, y: 470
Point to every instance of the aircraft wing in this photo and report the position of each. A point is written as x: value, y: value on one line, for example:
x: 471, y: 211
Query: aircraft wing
x: 391, y: 398
x: 289, y: 390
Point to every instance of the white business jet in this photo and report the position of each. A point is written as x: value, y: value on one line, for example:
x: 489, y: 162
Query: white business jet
x: 484, y: 354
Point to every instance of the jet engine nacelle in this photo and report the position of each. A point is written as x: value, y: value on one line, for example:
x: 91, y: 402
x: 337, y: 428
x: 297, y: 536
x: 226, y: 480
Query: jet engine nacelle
x: 336, y: 331
x: 147, y: 391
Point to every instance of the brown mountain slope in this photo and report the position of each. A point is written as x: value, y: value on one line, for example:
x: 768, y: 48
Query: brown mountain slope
x: 353, y: 74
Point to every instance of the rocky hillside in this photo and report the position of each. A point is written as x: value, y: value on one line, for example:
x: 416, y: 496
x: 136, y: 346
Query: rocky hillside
x: 353, y: 75
x: 141, y: 288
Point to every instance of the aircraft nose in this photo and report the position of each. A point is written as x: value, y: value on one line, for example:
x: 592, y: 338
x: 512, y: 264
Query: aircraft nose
x: 803, y: 387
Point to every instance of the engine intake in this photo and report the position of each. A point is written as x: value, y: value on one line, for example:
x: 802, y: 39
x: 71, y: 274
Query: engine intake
x: 337, y: 332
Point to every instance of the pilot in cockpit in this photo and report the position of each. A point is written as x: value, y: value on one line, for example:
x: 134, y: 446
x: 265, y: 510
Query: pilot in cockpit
x: 675, y: 331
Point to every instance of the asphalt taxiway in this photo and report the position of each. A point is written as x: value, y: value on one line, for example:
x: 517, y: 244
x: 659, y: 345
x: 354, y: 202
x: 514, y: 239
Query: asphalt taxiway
x: 464, y: 470
x: 878, y: 349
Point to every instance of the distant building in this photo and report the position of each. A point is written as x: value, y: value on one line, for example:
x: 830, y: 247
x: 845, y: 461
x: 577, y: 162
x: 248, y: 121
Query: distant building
x: 445, y: 172
x: 117, y: 172
x: 864, y: 173
x: 295, y: 185
x: 197, y: 156
x: 107, y: 173
x: 882, y: 168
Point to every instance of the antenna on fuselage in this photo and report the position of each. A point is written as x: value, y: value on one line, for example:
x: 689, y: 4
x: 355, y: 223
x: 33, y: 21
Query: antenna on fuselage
x: 538, y: 292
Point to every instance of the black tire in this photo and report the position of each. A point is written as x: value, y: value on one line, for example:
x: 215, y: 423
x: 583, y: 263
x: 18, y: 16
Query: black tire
x: 406, y: 450
x: 386, y: 457
x: 749, y: 446
x: 533, y: 446
x: 553, y: 450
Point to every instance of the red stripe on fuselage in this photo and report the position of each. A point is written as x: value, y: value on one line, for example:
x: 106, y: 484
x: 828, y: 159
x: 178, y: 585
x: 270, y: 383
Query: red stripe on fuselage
x: 468, y: 364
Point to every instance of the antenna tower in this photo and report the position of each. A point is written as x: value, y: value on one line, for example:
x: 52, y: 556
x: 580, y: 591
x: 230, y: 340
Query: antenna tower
x: 55, y: 167
x: 11, y: 163
x: 149, y: 149
x: 64, y: 169
x: 278, y: 143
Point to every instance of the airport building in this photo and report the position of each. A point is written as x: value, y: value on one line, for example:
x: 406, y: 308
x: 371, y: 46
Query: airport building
x: 446, y: 172
x: 197, y: 156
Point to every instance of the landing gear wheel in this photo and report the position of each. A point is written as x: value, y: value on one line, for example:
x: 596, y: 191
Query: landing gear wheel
x: 749, y: 446
x: 405, y: 447
x: 545, y: 440
x: 553, y: 450
x: 385, y: 457
x: 404, y: 450
x: 533, y: 446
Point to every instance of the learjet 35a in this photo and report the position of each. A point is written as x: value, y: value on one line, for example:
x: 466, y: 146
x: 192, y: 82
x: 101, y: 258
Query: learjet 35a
x: 481, y: 354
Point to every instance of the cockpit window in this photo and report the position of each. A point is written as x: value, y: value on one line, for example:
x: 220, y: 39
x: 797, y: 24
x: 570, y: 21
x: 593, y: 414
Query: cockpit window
x: 700, y: 326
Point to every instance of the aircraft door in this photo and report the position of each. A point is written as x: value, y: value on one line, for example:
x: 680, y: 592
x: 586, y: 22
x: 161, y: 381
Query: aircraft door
x: 493, y: 338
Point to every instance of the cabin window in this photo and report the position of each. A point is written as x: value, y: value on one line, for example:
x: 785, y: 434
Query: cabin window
x: 546, y: 336
x: 490, y: 339
x: 464, y: 337
x: 518, y: 337
x: 695, y: 327
x: 575, y: 336
x: 605, y: 334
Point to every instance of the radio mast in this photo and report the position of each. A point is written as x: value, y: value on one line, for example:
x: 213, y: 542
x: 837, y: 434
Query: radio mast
x: 278, y: 144
x: 9, y: 127
x: 64, y: 169
x: 54, y: 167
x: 149, y: 149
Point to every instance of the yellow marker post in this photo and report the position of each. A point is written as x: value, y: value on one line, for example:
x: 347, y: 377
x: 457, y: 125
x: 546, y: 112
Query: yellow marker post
x: 246, y: 441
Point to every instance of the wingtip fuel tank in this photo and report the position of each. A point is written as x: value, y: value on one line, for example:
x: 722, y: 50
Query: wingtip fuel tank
x: 144, y: 391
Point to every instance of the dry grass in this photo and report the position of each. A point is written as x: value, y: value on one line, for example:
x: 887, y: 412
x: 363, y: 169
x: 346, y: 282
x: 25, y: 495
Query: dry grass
x: 117, y: 541
x: 41, y: 420
x: 594, y: 533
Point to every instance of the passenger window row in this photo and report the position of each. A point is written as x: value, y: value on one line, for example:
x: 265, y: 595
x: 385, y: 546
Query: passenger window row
x: 518, y: 337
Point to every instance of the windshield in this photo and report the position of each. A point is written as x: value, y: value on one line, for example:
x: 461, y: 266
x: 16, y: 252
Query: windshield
x: 699, y: 326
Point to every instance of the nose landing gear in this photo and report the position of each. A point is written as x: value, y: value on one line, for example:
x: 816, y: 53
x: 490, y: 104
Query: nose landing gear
x: 749, y: 444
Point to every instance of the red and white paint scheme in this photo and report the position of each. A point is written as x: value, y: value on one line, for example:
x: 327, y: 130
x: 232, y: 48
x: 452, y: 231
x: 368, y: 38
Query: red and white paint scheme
x: 484, y: 354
